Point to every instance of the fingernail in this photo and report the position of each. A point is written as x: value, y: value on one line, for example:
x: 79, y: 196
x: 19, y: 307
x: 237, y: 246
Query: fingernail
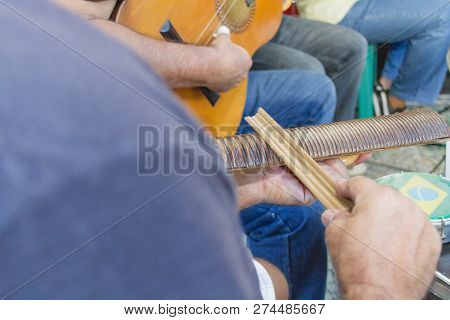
x: 341, y: 182
x: 223, y: 30
x: 328, y: 216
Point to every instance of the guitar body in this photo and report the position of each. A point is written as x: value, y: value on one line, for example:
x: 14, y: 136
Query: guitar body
x: 252, y: 23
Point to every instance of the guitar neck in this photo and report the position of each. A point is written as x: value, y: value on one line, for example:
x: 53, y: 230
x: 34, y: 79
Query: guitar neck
x: 420, y: 126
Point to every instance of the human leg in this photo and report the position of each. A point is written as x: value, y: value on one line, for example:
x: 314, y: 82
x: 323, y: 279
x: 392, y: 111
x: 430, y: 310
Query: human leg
x: 292, y: 97
x: 340, y: 50
x: 280, y: 57
x: 425, y: 24
x: 394, y: 61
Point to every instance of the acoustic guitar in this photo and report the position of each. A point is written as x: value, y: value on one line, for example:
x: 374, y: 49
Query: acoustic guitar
x: 252, y: 23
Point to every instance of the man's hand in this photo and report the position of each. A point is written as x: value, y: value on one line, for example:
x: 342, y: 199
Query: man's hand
x: 230, y: 64
x: 278, y: 186
x: 386, y: 248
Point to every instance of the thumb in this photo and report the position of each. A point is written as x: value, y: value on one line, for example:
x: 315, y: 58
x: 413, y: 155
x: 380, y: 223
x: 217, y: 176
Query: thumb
x: 351, y: 188
x: 333, y: 214
x: 223, y: 30
x: 222, y: 34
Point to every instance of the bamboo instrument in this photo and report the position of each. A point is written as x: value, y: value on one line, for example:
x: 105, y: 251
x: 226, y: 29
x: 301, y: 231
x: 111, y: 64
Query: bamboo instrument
x: 416, y: 127
x: 305, y: 168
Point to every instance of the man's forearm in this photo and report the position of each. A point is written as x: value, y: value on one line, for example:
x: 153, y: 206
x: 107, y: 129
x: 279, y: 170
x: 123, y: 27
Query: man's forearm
x: 180, y: 65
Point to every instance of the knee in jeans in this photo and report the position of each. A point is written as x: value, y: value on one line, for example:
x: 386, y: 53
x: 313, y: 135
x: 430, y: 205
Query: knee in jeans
x: 356, y: 46
x: 328, y: 92
x: 313, y: 64
x: 326, y: 100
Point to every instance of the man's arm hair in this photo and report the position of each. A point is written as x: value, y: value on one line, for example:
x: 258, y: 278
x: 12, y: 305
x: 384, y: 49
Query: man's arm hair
x: 180, y: 65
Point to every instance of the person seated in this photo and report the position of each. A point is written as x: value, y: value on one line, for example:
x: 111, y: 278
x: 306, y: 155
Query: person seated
x: 424, y: 25
x: 292, y: 97
x: 78, y: 222
x: 336, y: 51
x: 394, y: 61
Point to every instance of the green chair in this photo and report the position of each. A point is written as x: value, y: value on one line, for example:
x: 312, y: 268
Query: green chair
x: 365, y: 97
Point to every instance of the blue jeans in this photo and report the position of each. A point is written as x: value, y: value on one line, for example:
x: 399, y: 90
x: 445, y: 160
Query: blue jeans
x: 290, y: 237
x: 292, y: 97
x: 333, y: 50
x: 394, y: 60
x: 425, y: 25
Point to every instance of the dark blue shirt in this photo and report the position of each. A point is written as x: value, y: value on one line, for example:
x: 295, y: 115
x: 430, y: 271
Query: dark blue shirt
x: 76, y: 220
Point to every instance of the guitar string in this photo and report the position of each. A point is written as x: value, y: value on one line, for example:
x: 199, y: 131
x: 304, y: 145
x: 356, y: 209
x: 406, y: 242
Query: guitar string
x: 214, y: 17
x: 210, y: 21
x: 238, y: 17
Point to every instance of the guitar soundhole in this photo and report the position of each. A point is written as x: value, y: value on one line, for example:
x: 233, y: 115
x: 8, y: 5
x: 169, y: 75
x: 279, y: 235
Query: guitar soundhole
x: 236, y: 14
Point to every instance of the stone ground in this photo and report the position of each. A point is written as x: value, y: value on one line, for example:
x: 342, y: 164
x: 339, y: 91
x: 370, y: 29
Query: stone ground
x: 429, y: 159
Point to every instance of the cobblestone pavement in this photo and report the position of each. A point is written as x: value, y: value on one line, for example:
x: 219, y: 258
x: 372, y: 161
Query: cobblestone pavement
x: 429, y: 159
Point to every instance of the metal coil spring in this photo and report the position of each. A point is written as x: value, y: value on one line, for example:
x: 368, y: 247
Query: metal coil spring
x: 419, y: 126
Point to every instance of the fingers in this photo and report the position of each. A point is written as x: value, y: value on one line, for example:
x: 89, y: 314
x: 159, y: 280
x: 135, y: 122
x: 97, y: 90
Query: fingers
x: 281, y: 187
x: 292, y: 187
x: 221, y: 40
x: 331, y: 215
x: 354, y: 186
x: 338, y: 168
x: 222, y: 35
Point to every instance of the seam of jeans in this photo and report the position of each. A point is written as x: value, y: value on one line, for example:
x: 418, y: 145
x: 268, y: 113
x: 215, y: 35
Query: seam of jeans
x: 289, y: 264
x: 290, y: 267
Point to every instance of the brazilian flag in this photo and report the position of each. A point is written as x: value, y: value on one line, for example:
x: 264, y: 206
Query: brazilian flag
x: 429, y: 191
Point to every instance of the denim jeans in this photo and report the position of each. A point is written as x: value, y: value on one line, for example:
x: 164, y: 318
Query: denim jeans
x: 425, y: 25
x: 290, y: 237
x: 394, y: 60
x: 328, y: 49
x: 292, y: 97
